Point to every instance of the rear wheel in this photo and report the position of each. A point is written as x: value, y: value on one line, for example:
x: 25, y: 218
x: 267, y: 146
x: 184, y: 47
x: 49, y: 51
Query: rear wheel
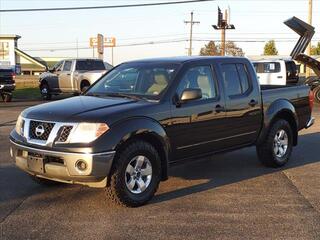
x: 45, y: 92
x: 276, y: 149
x: 135, y: 175
x: 84, y: 86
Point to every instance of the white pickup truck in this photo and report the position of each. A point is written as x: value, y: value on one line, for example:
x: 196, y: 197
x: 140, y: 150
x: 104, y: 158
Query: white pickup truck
x: 70, y: 76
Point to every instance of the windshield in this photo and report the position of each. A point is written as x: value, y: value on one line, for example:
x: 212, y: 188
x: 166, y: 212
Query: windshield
x: 141, y: 80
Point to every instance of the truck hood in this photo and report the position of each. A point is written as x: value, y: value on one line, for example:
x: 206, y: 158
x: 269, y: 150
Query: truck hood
x: 80, y: 109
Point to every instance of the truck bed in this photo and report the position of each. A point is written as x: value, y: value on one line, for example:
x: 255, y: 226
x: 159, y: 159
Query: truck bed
x: 298, y: 95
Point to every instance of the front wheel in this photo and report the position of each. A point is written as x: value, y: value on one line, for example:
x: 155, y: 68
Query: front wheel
x: 45, y: 92
x: 276, y: 149
x: 135, y: 175
x: 6, y: 97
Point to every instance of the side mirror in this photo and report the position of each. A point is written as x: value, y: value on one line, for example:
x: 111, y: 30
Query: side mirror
x: 191, y: 94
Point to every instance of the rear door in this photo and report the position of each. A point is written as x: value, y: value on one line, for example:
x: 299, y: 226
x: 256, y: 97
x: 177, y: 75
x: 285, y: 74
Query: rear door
x: 243, y: 103
x: 65, y: 76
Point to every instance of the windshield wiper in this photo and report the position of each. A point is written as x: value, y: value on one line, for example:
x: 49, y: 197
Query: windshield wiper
x: 123, y: 95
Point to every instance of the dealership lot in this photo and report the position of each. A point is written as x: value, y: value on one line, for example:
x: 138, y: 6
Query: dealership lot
x: 226, y: 196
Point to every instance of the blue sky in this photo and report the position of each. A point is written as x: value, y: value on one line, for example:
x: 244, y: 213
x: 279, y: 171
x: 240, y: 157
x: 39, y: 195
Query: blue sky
x: 254, y: 20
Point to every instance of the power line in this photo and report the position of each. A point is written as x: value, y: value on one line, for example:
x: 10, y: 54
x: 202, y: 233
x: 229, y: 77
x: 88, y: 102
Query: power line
x: 102, y: 7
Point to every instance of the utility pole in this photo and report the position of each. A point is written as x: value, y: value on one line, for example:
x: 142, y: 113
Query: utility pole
x: 308, y: 70
x: 223, y: 25
x: 77, y: 46
x: 191, y: 28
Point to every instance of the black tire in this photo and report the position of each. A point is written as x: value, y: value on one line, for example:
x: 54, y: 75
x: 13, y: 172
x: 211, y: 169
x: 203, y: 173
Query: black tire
x: 84, y: 86
x: 266, y: 150
x: 45, y: 182
x: 6, y: 97
x: 316, y: 92
x: 117, y: 189
x: 45, y: 91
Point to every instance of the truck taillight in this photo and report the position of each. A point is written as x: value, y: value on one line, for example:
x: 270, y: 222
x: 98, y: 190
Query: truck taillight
x: 13, y: 75
x: 311, y: 99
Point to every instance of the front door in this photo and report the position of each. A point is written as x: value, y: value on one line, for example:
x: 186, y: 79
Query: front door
x: 197, y: 125
x: 65, y: 81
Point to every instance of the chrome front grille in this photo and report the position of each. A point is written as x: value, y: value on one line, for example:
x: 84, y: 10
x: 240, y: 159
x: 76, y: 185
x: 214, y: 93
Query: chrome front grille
x: 40, y: 130
x: 46, y: 133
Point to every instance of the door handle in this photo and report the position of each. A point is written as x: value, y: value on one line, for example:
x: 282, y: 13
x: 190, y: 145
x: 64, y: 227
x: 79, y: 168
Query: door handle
x: 219, y: 108
x: 68, y: 74
x: 279, y: 77
x: 253, y: 102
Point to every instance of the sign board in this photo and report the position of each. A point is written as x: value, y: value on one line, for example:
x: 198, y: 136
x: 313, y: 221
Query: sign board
x: 107, y: 42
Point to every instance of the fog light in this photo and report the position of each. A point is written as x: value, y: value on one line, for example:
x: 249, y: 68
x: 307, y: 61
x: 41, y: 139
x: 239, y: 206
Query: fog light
x: 81, y: 165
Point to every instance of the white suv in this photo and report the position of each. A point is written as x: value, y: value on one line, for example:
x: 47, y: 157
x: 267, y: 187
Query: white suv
x: 276, y: 72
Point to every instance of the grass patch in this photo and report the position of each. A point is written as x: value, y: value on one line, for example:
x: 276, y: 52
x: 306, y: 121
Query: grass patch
x: 27, y: 93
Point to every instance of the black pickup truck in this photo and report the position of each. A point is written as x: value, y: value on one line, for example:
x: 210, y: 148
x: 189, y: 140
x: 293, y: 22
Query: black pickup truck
x: 142, y: 116
x: 7, y: 83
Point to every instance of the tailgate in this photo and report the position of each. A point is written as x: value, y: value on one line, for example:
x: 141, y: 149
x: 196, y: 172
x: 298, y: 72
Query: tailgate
x: 306, y: 33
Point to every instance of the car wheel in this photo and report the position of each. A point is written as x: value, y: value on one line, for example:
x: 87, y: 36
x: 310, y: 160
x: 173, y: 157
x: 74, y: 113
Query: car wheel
x: 316, y: 93
x: 45, y: 182
x: 6, y: 97
x: 276, y: 149
x: 45, y: 92
x: 135, y: 175
x: 84, y: 87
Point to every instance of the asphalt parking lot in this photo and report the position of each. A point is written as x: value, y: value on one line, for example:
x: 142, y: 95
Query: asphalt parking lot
x: 227, y: 196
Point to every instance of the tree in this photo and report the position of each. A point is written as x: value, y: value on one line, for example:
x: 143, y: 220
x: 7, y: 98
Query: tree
x: 315, y: 50
x: 209, y: 49
x: 270, y: 48
x: 233, y: 50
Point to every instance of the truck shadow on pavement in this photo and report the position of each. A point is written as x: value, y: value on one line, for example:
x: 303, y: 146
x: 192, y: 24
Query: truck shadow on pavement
x: 191, y: 178
x: 223, y: 169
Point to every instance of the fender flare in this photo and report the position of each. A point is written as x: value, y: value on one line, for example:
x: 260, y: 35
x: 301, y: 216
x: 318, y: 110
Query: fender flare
x: 139, y: 127
x: 280, y: 108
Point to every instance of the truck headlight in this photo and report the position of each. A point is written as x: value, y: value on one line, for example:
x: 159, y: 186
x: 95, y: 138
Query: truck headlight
x: 20, y: 125
x: 87, y: 132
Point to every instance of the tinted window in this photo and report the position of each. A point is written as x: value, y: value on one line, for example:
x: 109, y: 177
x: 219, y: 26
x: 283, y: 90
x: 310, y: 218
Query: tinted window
x: 67, y: 65
x: 267, y: 67
x: 89, y: 65
x: 231, y: 79
x: 199, y: 77
x: 243, y: 75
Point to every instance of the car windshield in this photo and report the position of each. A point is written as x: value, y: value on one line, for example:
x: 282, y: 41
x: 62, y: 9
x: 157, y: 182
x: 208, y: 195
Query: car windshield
x: 135, y: 80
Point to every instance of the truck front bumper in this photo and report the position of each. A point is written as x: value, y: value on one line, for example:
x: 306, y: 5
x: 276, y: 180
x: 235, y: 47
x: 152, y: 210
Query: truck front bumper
x: 89, y: 169
x: 7, y: 87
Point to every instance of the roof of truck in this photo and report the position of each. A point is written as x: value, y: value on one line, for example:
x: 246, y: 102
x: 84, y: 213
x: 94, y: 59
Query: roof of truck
x: 181, y: 59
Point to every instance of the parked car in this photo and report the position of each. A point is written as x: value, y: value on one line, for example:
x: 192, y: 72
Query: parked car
x: 70, y: 76
x: 7, y: 83
x: 142, y: 116
x: 276, y: 72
